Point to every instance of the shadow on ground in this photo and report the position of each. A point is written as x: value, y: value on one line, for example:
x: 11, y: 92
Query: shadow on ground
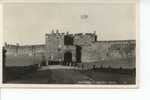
x: 70, y: 76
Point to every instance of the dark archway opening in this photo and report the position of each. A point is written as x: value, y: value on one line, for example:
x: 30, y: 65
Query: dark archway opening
x: 78, y: 54
x: 67, y: 58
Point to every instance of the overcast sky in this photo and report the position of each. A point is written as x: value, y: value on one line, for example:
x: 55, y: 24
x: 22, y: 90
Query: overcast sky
x: 28, y: 23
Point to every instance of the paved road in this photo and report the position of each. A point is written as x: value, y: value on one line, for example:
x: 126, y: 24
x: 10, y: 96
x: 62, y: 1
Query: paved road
x: 54, y: 74
x: 64, y: 76
x: 67, y: 75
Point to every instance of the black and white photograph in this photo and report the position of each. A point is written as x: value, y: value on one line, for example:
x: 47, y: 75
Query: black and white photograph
x: 69, y: 43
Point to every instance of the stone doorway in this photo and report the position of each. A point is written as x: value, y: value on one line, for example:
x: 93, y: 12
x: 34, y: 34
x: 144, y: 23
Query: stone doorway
x: 78, y: 54
x: 67, y: 58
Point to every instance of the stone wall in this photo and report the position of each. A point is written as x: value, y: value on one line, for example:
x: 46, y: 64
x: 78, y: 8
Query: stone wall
x: 24, y: 49
x: 24, y: 55
x: 103, y: 50
x: 84, y: 39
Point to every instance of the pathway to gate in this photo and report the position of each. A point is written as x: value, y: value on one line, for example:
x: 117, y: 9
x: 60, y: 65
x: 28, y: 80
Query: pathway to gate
x: 59, y: 74
x: 57, y: 67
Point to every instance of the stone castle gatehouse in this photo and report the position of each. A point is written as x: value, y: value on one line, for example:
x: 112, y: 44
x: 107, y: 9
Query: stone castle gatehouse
x: 66, y: 48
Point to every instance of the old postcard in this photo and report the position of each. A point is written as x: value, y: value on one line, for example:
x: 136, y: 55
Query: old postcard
x: 69, y: 44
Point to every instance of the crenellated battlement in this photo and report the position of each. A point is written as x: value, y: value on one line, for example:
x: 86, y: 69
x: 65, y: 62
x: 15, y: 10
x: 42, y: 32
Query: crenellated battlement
x: 58, y: 33
x: 78, y: 38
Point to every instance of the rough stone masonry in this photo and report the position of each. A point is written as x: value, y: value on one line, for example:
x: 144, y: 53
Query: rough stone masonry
x: 63, y: 47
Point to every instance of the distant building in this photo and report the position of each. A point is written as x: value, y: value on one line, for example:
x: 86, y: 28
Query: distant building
x: 75, y: 48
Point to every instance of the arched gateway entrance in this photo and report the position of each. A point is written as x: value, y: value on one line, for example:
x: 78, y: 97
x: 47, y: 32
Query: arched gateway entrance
x: 67, y: 58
